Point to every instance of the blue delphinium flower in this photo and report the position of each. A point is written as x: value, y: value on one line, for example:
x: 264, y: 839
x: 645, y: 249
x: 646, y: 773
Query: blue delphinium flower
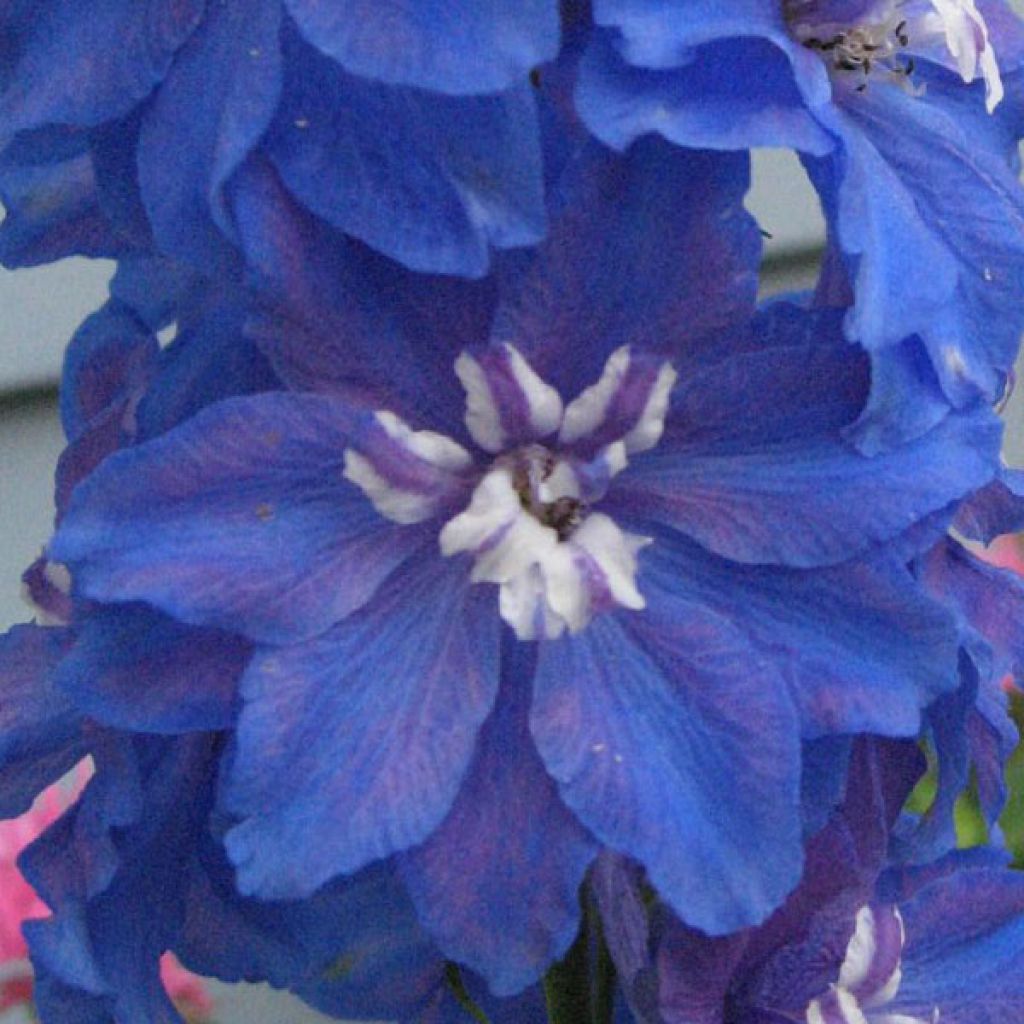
x: 918, y: 183
x: 862, y: 940
x: 615, y: 591
x: 413, y: 129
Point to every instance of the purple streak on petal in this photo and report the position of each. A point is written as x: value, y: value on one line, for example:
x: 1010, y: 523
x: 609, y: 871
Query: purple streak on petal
x: 364, y: 734
x: 507, y: 822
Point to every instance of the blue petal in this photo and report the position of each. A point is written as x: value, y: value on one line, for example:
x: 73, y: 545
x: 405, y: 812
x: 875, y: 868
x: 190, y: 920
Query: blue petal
x: 109, y: 357
x: 507, y: 823
x: 53, y: 212
x: 936, y: 220
x: 755, y: 470
x: 727, y: 93
x: 215, y: 104
x: 133, y: 668
x: 861, y: 646
x: 644, y: 720
x: 40, y: 730
x: 431, y: 181
x: 355, y: 949
x: 965, y: 938
x: 210, y: 358
x: 452, y: 46
x: 361, y: 737
x: 905, y: 400
x: 70, y: 63
x: 238, y: 519
x: 628, y: 262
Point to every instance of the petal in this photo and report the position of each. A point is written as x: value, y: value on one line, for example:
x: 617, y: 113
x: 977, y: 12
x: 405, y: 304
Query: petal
x: 239, y: 519
x: 212, y: 109
x: 862, y: 647
x: 742, y: 89
x: 506, y: 402
x: 110, y: 356
x: 53, y: 212
x: 453, y: 46
x: 507, y: 823
x: 936, y: 219
x: 644, y: 720
x: 447, y: 179
x: 80, y: 65
x: 969, y: 926
x: 755, y: 469
x: 361, y: 737
x: 995, y: 509
x: 627, y: 263
x: 132, y: 668
x: 40, y: 730
x: 355, y: 949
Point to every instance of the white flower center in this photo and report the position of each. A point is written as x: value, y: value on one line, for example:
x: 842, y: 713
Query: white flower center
x: 529, y: 523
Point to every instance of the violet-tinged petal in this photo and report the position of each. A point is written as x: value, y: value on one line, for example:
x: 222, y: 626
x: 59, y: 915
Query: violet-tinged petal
x: 618, y: 266
x: 40, y: 729
x: 133, y: 668
x: 365, y: 732
x: 239, y: 519
x: 212, y: 109
x: 448, y: 178
x: 335, y: 317
x: 70, y: 63
x: 695, y: 972
x: 452, y: 46
x: 995, y: 509
x: 637, y: 717
x: 507, y: 822
x: 111, y: 356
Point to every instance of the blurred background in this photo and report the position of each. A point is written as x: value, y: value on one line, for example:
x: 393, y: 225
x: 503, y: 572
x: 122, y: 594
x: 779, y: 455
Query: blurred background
x: 40, y: 309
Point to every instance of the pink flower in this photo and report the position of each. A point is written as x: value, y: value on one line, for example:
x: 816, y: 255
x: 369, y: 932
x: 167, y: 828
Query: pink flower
x: 19, y: 902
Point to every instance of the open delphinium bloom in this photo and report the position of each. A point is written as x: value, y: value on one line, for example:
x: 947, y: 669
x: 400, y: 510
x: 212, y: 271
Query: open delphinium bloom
x: 552, y: 639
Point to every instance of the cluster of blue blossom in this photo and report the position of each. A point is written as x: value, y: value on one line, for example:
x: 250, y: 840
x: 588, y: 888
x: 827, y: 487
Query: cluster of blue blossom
x: 481, y: 595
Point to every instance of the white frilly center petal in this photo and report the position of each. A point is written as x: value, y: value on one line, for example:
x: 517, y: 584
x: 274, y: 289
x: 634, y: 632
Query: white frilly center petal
x: 966, y: 35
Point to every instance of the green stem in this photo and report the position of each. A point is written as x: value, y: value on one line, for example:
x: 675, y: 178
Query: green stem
x: 567, y: 985
x: 462, y: 996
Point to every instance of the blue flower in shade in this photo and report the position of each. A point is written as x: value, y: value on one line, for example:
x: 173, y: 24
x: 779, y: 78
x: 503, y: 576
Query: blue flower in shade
x: 918, y: 183
x: 413, y: 128
x: 542, y: 573
x: 860, y: 941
